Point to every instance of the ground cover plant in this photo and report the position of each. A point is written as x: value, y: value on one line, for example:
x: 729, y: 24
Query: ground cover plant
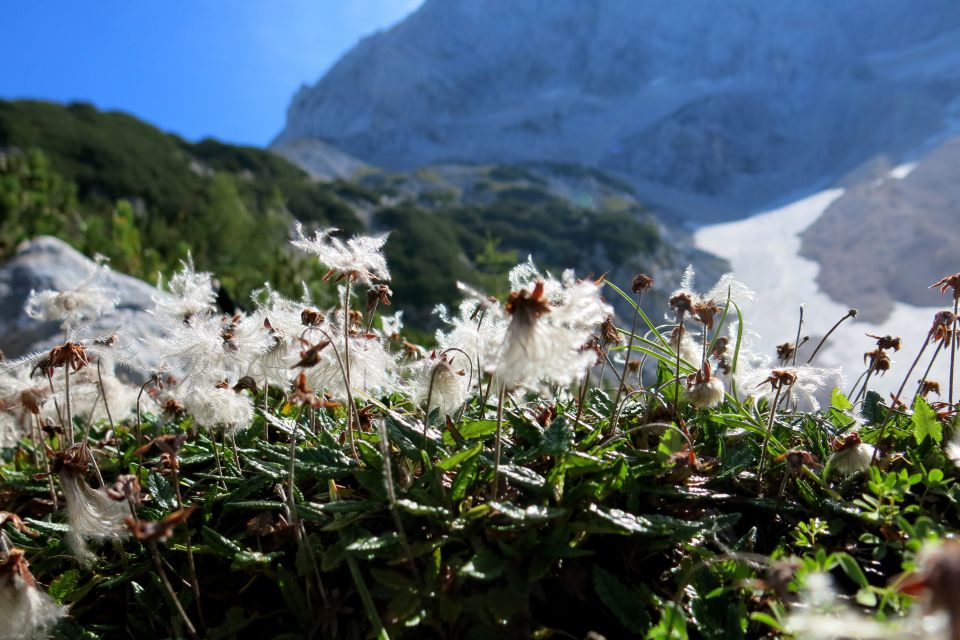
x: 541, y: 470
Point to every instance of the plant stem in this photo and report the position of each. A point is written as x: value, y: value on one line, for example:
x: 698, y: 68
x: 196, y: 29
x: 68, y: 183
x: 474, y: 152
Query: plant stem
x: 346, y: 368
x: 496, y: 453
x: 626, y: 362
x: 896, y: 398
x: 823, y: 340
x: 191, y: 630
x: 194, y: 581
x: 926, y: 373
x: 953, y: 346
x: 766, y: 437
x: 69, y: 427
x: 796, y: 343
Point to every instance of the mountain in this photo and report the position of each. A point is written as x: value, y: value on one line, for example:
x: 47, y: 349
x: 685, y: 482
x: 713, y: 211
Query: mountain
x: 890, y: 234
x: 740, y: 102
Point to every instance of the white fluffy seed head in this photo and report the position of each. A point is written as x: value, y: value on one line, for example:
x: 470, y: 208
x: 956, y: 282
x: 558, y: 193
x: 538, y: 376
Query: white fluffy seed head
x: 359, y: 257
x: 92, y: 515
x: 26, y: 613
x: 706, y: 394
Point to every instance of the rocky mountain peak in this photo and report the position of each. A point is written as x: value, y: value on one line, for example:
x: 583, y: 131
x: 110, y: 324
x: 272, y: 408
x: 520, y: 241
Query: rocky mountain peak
x: 742, y: 101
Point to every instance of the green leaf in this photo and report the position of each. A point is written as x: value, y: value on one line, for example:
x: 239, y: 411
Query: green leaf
x: 418, y: 509
x: 852, y: 569
x: 925, y: 422
x: 839, y: 401
x: 558, y: 437
x: 162, y: 491
x: 63, y: 585
x: 459, y: 458
x: 873, y: 406
x: 622, y: 601
x: 485, y: 565
x: 464, y: 480
x: 530, y: 515
x: 473, y: 430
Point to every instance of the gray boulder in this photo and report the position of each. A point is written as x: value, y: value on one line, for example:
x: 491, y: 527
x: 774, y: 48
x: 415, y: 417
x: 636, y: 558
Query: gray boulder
x: 49, y: 263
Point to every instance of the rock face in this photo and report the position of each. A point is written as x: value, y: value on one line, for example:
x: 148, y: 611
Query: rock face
x: 49, y: 263
x: 887, y: 238
x: 742, y: 101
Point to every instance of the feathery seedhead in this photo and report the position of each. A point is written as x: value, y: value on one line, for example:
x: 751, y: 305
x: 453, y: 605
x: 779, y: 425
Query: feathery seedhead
x: 703, y: 390
x: 850, y: 455
x: 359, y: 259
x: 929, y: 386
x: 378, y: 294
x: 26, y: 612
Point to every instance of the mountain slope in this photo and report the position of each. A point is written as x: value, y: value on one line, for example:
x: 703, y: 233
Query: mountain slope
x: 743, y: 101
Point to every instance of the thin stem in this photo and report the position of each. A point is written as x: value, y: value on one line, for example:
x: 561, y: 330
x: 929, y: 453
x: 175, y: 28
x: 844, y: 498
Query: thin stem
x: 626, y: 362
x: 926, y: 373
x: 896, y: 398
x: 496, y: 454
x: 852, y: 313
x: 66, y: 377
x: 346, y: 368
x: 676, y: 395
x: 103, y: 392
x: 294, y: 517
x: 766, y: 437
x: 953, y: 346
x: 796, y: 343
x: 194, y: 581
x: 191, y: 630
x: 46, y: 463
x: 392, y: 496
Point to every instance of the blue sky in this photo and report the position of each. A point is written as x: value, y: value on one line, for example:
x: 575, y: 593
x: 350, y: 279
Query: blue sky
x: 198, y: 68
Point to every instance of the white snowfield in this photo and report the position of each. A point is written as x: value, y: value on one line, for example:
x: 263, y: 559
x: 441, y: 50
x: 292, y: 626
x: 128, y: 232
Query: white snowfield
x: 764, y: 251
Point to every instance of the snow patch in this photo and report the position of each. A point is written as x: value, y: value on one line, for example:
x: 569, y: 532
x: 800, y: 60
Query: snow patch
x: 764, y: 251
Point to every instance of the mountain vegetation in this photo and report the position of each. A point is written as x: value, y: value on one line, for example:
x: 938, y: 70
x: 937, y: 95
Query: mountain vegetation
x: 108, y: 183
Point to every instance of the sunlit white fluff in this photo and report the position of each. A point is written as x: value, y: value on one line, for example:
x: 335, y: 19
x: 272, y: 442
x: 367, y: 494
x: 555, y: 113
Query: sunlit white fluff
x: 215, y: 407
x: 478, y: 329
x: 360, y: 257
x: 190, y: 293
x: 448, y: 377
x: 92, y: 515
x: 706, y: 394
x: 854, y: 458
x: 811, y: 391
x: 88, y: 301
x: 548, y: 348
x: 372, y: 366
x: 26, y: 612
x: 727, y: 287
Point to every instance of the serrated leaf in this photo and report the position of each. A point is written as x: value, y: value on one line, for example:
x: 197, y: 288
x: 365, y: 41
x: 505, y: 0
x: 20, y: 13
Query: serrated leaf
x: 557, y: 438
x: 872, y: 408
x: 485, y: 565
x: 162, y: 491
x: 418, y: 509
x: 523, y: 476
x: 63, y: 585
x: 459, y: 458
x: 622, y: 601
x: 528, y: 515
x: 925, y: 422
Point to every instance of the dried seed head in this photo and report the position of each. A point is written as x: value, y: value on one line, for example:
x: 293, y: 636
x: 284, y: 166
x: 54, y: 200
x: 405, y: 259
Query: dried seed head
x: 127, y: 487
x: 527, y: 307
x: 246, y: 382
x: 850, y: 455
x: 704, y: 311
x: 785, y: 352
x: 641, y: 282
x: 929, y: 386
x: 949, y: 282
x: 942, y: 327
x: 311, y: 317
x: 146, y: 531
x: 780, y: 378
x: 681, y: 303
x: 608, y: 331
x: 878, y: 359
x: 378, y: 294
x: 887, y: 342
